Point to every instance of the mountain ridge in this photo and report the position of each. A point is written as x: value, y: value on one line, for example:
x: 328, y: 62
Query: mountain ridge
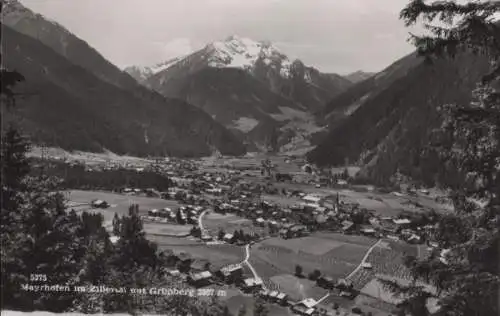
x: 239, y: 82
x: 396, y: 110
x: 358, y: 76
x: 187, y: 123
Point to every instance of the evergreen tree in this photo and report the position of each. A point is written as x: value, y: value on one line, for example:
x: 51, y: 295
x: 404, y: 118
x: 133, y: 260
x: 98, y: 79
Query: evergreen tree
x: 8, y: 80
x: 15, y: 167
x: 260, y: 308
x: 196, y: 232
x: 467, y: 279
x: 242, y: 311
x: 236, y: 236
x: 298, y: 270
x: 178, y: 217
x: 116, y: 225
x: 220, y: 234
x: 39, y: 236
x: 226, y: 311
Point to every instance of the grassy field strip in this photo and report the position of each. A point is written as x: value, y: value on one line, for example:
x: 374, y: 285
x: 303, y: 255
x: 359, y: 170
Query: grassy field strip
x: 322, y: 299
x: 249, y: 265
x: 200, y: 221
x: 364, y: 259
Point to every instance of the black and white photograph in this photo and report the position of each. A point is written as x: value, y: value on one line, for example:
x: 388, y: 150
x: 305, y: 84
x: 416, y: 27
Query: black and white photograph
x: 250, y: 157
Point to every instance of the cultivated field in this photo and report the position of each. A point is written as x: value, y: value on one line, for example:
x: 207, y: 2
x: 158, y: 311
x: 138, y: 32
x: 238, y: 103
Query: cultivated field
x: 298, y: 289
x: 166, y: 229
x: 375, y: 306
x: 167, y: 241
x: 281, y: 200
x: 217, y: 255
x: 387, y: 258
x: 332, y: 254
x: 229, y: 223
x: 236, y: 300
x: 120, y: 204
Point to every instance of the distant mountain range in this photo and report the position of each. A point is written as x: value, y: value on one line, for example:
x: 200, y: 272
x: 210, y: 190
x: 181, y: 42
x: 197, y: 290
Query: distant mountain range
x: 250, y: 87
x: 81, y: 101
x: 358, y: 76
x: 384, y: 123
x: 232, y: 96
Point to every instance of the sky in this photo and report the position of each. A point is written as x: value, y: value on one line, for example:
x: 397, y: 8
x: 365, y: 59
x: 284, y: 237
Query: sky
x: 339, y: 36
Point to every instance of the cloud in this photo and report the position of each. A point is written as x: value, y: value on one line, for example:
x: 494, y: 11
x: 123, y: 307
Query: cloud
x: 175, y: 47
x: 331, y: 35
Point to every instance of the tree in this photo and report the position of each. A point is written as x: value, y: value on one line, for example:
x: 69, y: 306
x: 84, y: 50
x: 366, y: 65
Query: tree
x: 178, y: 217
x: 298, y: 271
x: 469, y: 141
x: 225, y: 311
x: 220, y: 234
x: 242, y: 311
x: 15, y: 167
x: 9, y: 79
x: 196, y: 232
x: 314, y: 275
x: 35, y: 228
x: 206, y: 266
x: 236, y: 235
x: 345, y: 174
x: 40, y: 236
x: 116, y: 225
x: 260, y: 308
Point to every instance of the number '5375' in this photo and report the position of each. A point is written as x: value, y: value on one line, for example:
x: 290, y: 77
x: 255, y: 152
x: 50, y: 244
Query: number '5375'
x: 38, y: 277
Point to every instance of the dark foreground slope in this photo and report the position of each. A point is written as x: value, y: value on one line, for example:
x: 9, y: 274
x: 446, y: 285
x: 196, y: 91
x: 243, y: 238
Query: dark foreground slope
x: 390, y: 129
x: 68, y: 106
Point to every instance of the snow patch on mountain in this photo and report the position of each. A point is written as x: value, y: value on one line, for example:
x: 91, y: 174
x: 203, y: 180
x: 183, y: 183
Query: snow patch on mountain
x: 243, y: 53
x: 307, y: 76
x: 245, y: 124
x: 164, y: 65
x: 144, y: 72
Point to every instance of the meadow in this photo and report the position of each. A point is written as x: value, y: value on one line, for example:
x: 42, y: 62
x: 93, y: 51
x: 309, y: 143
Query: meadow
x: 229, y: 223
x: 334, y: 255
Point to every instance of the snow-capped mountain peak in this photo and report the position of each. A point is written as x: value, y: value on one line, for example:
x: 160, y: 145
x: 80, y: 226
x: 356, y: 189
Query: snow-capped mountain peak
x: 232, y: 52
x: 241, y: 52
x: 164, y: 65
x: 142, y: 73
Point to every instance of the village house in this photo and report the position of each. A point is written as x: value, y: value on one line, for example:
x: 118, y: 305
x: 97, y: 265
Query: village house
x: 231, y: 274
x: 402, y: 222
x: 388, y: 226
x: 305, y: 307
x: 205, y: 237
x: 99, y: 204
x: 199, y: 265
x: 368, y: 231
x: 227, y: 237
x: 260, y: 221
x: 252, y: 284
x: 174, y: 272
x: 200, y: 279
x: 293, y: 231
x: 366, y: 265
x: 311, y: 199
x: 343, y: 284
x: 347, y: 226
x: 274, y: 296
x: 326, y: 282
